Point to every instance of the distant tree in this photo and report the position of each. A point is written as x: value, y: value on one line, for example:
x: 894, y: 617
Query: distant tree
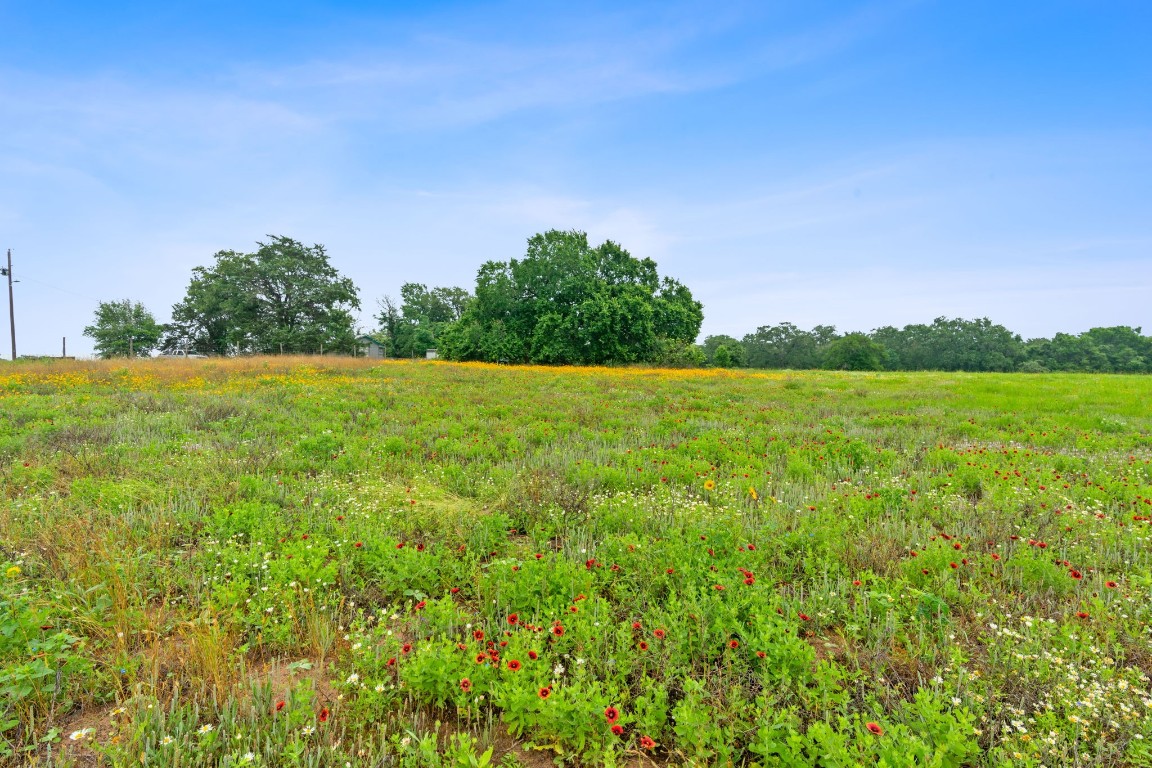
x: 952, y: 345
x: 417, y: 323
x: 566, y: 302
x: 854, y: 352
x: 284, y: 297
x: 389, y: 318
x: 1119, y: 349
x: 124, y: 328
x: 732, y: 355
x: 786, y: 346
x: 671, y: 353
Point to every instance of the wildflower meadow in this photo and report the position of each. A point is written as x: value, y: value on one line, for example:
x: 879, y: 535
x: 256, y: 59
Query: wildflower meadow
x: 341, y: 562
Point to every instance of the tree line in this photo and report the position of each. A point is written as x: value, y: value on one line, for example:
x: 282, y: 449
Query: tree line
x: 565, y: 302
x: 944, y: 345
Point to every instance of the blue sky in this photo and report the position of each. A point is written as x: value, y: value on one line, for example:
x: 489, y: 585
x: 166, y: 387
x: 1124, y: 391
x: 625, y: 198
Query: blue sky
x: 857, y: 164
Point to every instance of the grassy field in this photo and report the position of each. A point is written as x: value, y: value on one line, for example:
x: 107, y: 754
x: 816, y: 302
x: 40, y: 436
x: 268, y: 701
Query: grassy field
x: 307, y: 562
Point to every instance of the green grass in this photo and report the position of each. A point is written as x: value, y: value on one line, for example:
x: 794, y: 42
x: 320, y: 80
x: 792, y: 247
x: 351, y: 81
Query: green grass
x: 844, y: 569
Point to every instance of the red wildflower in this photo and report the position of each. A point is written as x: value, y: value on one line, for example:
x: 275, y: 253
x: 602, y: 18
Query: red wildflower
x: 874, y: 728
x: 1081, y: 615
x: 718, y: 587
x: 558, y: 629
x: 420, y: 605
x: 533, y: 655
x: 749, y: 581
x: 647, y: 743
x: 419, y: 547
x: 636, y: 625
x: 454, y: 590
x: 539, y: 555
x: 804, y: 617
x: 953, y: 565
x: 751, y: 547
x: 406, y: 648
x: 280, y: 705
x: 611, y: 714
x: 465, y: 685
x: 478, y: 634
x: 481, y: 658
x: 642, y: 645
x: 856, y: 583
x: 1110, y: 584
x: 618, y: 729
x: 760, y: 654
x: 513, y: 619
x: 659, y: 634
x: 324, y: 715
x: 1075, y: 574
x: 733, y: 644
x: 669, y: 570
x: 514, y: 665
x: 545, y: 692
x: 392, y: 662
x: 358, y: 544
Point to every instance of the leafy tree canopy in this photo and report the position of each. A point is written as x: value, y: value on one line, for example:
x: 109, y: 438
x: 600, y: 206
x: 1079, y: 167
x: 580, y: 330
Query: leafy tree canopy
x: 124, y: 328
x: 786, y: 346
x: 854, y: 352
x: 724, y: 351
x: 284, y: 297
x: 415, y: 326
x: 567, y: 302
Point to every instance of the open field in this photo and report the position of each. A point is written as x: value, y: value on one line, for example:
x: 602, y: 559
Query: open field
x: 309, y: 562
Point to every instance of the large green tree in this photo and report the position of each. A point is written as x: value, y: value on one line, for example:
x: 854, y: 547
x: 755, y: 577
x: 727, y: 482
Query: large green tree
x: 124, y: 328
x: 854, y: 352
x: 284, y: 297
x: 724, y: 351
x: 567, y: 302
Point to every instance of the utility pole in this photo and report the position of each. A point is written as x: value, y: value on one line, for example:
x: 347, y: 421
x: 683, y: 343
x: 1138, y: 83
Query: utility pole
x: 11, y: 308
